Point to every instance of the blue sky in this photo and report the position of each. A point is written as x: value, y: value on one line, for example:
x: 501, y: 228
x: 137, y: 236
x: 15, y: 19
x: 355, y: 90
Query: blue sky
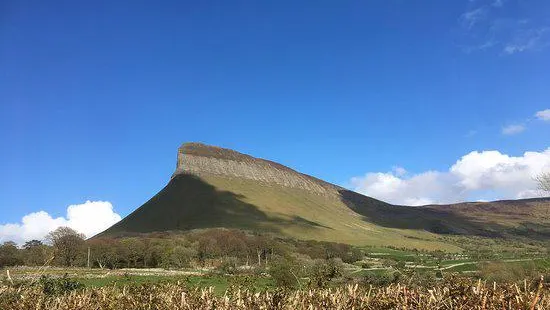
x: 96, y: 96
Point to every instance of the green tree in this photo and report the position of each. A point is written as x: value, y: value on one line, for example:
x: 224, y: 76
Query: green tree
x: 104, y: 252
x: 208, y: 248
x: 9, y: 254
x: 134, y: 250
x: 179, y: 256
x: 36, y: 253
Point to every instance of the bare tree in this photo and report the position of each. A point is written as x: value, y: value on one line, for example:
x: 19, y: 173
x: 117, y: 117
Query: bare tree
x: 543, y: 181
x: 67, y: 243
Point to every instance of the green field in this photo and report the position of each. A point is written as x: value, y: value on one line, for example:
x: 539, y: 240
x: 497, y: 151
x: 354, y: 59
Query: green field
x: 220, y: 283
x: 376, y: 263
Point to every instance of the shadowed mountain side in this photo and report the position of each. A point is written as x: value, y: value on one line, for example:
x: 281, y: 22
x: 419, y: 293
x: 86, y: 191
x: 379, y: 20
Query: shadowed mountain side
x: 529, y: 218
x: 188, y: 202
x: 404, y: 217
x: 496, y: 219
x: 536, y: 209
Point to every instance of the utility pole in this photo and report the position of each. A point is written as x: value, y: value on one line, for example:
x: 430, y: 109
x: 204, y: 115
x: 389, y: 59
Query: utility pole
x: 88, y: 264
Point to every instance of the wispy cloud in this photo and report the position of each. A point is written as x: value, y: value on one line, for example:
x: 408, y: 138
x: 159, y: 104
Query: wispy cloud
x: 543, y: 115
x: 470, y: 133
x: 479, y: 47
x: 527, y: 40
x: 498, y: 3
x: 471, y: 18
x: 513, y: 129
x: 495, y: 25
x: 520, y: 126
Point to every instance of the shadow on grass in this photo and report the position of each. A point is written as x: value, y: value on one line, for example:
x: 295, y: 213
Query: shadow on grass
x: 188, y: 202
x: 443, y: 219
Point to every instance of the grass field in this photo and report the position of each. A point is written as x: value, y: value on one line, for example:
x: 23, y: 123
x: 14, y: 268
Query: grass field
x: 220, y: 283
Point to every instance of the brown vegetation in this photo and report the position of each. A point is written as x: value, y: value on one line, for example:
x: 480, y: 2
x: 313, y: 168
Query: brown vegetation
x: 452, y: 295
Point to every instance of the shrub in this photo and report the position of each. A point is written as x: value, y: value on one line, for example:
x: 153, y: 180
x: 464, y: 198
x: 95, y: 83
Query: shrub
x: 229, y: 265
x: 241, y: 282
x: 323, y: 271
x: 59, y: 286
x: 507, y: 272
x: 380, y: 279
x: 283, y: 271
x: 388, y: 262
x: 419, y: 278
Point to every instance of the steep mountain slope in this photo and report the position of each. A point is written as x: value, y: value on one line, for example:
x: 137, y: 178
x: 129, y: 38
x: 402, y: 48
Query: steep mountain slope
x: 215, y: 187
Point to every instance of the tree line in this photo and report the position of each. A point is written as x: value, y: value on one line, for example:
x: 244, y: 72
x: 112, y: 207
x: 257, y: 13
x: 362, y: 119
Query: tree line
x: 66, y: 247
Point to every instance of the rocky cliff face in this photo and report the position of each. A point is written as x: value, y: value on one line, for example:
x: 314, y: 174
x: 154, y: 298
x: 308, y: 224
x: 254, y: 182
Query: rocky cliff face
x: 200, y: 159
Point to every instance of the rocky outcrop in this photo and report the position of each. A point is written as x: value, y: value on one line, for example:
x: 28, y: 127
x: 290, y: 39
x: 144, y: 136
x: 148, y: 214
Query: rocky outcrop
x: 200, y: 159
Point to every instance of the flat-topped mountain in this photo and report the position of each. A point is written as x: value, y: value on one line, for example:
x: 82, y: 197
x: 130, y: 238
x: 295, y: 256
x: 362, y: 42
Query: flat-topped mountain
x: 216, y: 187
x: 204, y: 160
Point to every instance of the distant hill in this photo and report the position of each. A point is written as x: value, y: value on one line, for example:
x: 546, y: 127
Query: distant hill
x: 216, y: 187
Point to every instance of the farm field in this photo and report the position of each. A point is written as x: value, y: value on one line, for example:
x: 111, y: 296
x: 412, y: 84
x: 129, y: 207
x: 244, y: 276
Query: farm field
x: 376, y: 262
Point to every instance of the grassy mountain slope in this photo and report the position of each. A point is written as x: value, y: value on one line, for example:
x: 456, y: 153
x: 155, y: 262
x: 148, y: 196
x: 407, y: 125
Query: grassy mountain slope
x: 214, y: 187
x: 190, y: 202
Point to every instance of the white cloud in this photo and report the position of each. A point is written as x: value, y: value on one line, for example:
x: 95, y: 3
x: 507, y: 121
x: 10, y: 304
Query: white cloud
x: 512, y: 129
x: 424, y: 188
x: 543, y: 115
x: 88, y: 218
x: 475, y: 176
